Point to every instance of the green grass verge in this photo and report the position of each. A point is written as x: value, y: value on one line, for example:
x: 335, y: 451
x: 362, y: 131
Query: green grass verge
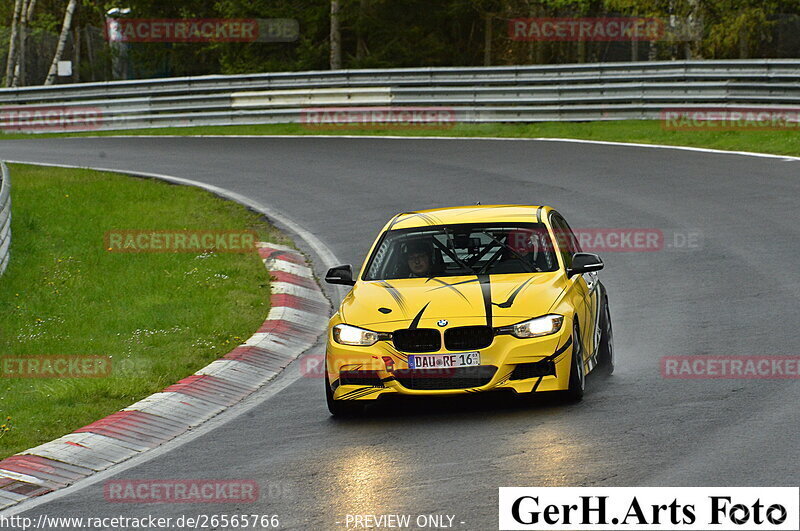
x: 160, y: 316
x: 783, y: 142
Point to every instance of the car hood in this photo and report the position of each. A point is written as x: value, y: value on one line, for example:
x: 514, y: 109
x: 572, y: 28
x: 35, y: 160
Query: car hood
x: 497, y: 300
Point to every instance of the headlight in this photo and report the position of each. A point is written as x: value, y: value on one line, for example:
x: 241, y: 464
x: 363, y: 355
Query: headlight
x: 352, y: 335
x: 540, y: 326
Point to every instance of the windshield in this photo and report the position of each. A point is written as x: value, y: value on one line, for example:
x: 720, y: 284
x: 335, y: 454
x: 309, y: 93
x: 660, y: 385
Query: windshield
x: 468, y: 249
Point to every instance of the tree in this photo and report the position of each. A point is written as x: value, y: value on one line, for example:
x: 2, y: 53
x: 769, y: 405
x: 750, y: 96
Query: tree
x: 736, y: 28
x: 362, y: 50
x: 12, y: 44
x: 62, y: 40
x: 487, y: 10
x: 20, y: 72
x: 336, y: 36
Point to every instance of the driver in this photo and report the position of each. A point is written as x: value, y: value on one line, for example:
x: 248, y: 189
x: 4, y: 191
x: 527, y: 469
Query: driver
x: 419, y: 255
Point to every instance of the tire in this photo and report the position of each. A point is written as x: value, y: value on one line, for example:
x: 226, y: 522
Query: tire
x: 340, y: 408
x: 605, y: 351
x: 577, y: 373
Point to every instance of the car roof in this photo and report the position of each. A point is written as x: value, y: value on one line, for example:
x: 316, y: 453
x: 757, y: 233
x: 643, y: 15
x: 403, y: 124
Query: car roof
x: 469, y: 214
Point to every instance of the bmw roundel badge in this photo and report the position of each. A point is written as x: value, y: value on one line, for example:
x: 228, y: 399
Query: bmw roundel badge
x: 442, y: 322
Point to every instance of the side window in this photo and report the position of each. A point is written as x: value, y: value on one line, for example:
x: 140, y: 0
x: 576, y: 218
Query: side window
x: 379, y: 260
x: 574, y: 242
x: 565, y: 239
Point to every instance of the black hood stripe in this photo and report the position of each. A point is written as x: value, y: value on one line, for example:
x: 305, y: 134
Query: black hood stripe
x: 470, y: 281
x: 396, y: 295
x: 415, y: 322
x: 513, y: 296
x: 451, y: 287
x: 486, y: 291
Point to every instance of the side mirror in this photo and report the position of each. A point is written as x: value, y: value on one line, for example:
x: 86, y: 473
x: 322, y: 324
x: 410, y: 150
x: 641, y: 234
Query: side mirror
x: 584, y: 263
x: 342, y: 274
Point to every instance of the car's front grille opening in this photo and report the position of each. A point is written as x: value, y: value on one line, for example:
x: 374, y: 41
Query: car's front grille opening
x: 439, y: 379
x: 533, y: 370
x: 365, y: 378
x: 468, y: 337
x: 417, y: 340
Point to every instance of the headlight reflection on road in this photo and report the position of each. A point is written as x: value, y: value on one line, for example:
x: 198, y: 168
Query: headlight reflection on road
x: 362, y: 484
x: 546, y: 455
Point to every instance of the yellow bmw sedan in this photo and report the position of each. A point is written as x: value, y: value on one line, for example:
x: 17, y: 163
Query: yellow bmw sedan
x: 468, y: 300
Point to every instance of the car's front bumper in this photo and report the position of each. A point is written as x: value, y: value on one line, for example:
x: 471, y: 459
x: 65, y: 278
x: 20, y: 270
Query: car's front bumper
x: 362, y: 373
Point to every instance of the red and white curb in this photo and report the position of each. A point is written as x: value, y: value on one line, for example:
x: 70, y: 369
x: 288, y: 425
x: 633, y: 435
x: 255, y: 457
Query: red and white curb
x: 298, y: 315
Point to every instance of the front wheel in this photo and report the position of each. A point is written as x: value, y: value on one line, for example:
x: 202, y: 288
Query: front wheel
x: 340, y: 408
x: 577, y: 374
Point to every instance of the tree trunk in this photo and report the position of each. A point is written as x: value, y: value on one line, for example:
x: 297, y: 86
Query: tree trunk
x: 361, y: 41
x: 76, y: 54
x: 20, y: 70
x: 652, y: 51
x: 62, y: 41
x: 87, y: 38
x: 487, y: 40
x: 530, y: 44
x: 694, y: 33
x: 336, y: 37
x: 12, y: 43
x: 22, y: 37
x: 744, y: 51
x: 29, y: 11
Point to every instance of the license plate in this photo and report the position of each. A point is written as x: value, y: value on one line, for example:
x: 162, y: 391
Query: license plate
x: 444, y: 361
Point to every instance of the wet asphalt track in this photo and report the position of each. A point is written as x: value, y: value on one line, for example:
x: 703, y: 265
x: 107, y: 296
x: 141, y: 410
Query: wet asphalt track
x: 737, y: 294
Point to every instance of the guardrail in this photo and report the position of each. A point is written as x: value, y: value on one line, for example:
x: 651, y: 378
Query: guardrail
x: 5, y: 217
x: 604, y: 91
